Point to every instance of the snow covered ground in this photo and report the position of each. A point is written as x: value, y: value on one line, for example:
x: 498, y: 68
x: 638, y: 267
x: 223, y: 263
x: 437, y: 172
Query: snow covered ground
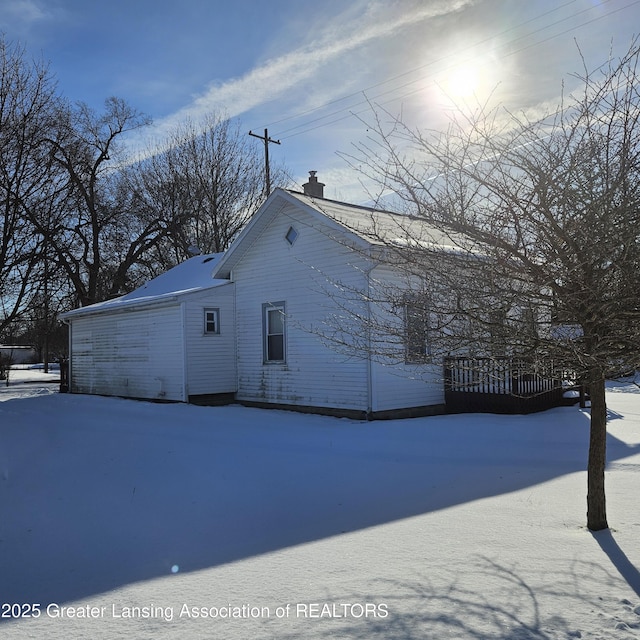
x: 26, y: 381
x: 123, y: 519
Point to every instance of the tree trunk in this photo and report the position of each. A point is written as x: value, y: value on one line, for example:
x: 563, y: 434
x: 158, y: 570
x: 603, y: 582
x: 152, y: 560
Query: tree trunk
x: 596, y: 502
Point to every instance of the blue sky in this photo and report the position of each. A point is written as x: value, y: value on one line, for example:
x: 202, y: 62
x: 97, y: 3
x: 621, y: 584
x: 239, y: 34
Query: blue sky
x: 302, y: 68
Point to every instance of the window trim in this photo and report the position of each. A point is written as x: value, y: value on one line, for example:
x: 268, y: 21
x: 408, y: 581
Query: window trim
x: 266, y: 308
x: 216, y: 312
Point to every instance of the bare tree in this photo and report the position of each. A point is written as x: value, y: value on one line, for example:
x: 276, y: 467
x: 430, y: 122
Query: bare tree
x: 90, y: 233
x: 109, y: 223
x: 523, y: 236
x: 206, y: 183
x: 80, y: 222
x: 27, y: 101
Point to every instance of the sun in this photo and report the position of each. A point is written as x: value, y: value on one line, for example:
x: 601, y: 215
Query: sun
x: 463, y: 81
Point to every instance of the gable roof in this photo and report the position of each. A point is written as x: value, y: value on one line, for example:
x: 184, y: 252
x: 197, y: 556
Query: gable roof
x: 378, y: 226
x: 364, y: 226
x: 190, y: 276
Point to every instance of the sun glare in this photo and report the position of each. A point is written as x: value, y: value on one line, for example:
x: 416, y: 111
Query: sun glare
x: 463, y: 81
x: 471, y: 76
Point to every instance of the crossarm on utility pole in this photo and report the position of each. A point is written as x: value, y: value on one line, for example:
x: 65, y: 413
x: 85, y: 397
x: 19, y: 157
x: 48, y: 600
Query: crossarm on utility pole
x: 266, y: 139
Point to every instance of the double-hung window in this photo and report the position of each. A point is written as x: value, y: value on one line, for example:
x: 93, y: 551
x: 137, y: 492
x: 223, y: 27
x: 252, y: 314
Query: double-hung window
x: 211, y: 321
x: 274, y: 332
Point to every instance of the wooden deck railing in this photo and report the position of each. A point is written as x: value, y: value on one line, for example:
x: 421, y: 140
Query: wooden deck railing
x: 501, y: 385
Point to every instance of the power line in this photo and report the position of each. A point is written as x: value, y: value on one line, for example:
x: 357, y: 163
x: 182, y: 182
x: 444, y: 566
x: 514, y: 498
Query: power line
x: 421, y: 79
x: 416, y: 69
x: 347, y: 112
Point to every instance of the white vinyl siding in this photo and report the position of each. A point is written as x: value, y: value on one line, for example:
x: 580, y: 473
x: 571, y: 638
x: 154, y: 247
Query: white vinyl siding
x: 211, y: 358
x: 138, y: 354
x: 159, y: 352
x: 397, y: 386
x: 304, y: 275
x: 396, y: 382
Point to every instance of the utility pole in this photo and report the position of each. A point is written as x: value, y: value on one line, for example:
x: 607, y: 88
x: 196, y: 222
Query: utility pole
x: 266, y: 139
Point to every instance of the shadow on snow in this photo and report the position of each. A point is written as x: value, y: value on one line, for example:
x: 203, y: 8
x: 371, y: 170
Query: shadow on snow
x: 97, y: 493
x: 452, y: 606
x: 618, y: 558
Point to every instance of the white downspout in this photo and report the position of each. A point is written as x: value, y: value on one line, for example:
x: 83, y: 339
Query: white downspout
x: 185, y: 359
x: 369, y: 362
x: 69, y: 349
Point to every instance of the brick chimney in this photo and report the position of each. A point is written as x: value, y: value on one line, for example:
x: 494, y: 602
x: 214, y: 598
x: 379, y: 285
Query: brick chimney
x: 313, y: 188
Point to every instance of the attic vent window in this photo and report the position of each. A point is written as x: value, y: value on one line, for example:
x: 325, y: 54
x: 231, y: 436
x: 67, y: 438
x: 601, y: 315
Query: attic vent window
x: 292, y: 235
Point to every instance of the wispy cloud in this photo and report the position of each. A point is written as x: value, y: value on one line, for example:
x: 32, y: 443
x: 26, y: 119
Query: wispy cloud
x: 25, y: 11
x: 273, y: 78
x: 22, y: 15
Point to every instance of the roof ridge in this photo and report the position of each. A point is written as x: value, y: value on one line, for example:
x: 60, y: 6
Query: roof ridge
x: 354, y: 206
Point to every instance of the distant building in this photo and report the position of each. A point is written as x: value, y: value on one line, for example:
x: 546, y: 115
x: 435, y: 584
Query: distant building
x: 18, y: 354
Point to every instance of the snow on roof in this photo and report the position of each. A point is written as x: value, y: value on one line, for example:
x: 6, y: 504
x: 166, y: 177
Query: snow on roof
x: 380, y: 227
x: 190, y: 275
x: 376, y: 227
x: 194, y: 274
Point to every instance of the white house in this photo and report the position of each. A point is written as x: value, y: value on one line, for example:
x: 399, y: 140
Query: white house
x: 256, y: 323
